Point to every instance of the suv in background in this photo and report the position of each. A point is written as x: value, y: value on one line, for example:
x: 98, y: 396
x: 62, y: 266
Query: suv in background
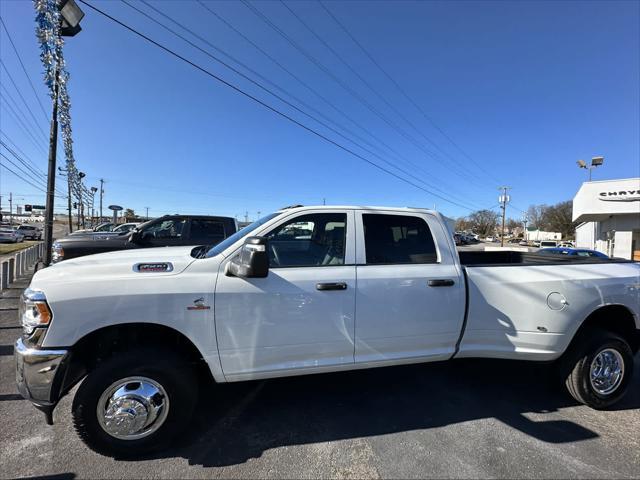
x: 548, y: 244
x: 167, y: 231
x: 30, y: 232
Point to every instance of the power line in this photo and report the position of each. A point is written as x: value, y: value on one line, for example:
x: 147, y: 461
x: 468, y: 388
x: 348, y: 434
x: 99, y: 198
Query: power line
x: 350, y: 90
x: 403, y: 92
x: 308, y: 87
x: 264, y: 88
x: 46, y: 119
x: 19, y: 176
x: 265, y: 105
x: 15, y: 108
x: 370, y: 87
x: 35, y: 122
x: 24, y: 155
x: 20, y: 122
x: 39, y: 175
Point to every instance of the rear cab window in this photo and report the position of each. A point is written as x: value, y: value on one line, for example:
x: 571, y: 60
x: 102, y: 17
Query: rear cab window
x: 397, y: 239
x: 207, y: 231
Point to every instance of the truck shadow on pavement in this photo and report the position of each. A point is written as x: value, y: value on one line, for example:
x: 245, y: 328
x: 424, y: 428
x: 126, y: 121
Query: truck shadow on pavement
x: 236, y: 422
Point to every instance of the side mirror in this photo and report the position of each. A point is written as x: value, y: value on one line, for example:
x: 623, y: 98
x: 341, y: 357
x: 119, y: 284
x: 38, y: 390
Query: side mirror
x: 253, y: 260
x: 135, y: 236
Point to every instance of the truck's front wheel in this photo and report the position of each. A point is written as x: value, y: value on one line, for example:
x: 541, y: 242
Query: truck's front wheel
x: 135, y: 402
x: 600, y: 371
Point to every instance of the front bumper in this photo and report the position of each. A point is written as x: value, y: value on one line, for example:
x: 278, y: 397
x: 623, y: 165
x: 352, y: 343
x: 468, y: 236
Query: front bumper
x: 38, y: 375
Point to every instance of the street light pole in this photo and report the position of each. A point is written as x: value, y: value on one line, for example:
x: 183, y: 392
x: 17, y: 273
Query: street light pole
x: 101, y: 194
x: 595, y: 163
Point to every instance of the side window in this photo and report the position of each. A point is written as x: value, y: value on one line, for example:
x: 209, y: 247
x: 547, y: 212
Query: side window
x: 309, y: 241
x: 397, y: 239
x: 172, y: 228
x: 206, y: 231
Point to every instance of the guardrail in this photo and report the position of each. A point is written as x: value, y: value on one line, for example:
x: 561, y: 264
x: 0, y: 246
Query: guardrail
x: 19, y: 263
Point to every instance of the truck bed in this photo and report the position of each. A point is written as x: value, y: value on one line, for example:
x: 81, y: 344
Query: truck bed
x: 511, y: 257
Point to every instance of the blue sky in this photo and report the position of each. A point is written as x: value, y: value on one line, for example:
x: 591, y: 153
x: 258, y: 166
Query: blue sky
x: 524, y: 88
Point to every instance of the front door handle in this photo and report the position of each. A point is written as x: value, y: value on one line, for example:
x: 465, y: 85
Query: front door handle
x: 331, y: 286
x: 441, y: 283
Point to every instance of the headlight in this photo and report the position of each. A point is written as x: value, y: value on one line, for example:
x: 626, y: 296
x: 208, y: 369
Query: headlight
x: 57, y: 252
x: 34, y: 311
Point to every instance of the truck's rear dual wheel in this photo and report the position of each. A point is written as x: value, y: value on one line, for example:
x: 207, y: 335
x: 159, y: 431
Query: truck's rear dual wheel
x: 135, y: 402
x: 599, y: 369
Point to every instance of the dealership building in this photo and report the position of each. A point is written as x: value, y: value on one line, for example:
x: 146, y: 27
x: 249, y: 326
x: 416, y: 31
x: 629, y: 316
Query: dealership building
x: 608, y: 213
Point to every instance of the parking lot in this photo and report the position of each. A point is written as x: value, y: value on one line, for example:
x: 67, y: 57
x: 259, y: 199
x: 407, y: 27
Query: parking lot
x: 456, y: 420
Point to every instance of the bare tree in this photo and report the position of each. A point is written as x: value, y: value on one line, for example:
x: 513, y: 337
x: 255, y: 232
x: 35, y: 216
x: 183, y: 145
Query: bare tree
x: 483, y: 222
x: 558, y: 218
x: 536, y: 217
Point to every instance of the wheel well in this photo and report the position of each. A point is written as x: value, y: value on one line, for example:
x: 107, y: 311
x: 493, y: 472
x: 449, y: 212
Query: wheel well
x: 103, y: 343
x: 616, y: 319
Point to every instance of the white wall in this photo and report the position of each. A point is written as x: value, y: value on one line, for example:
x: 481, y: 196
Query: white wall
x: 622, y: 245
x: 618, y: 228
x: 538, y: 235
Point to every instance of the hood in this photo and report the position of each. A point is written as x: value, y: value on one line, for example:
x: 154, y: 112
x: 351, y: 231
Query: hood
x: 89, y: 237
x: 115, y: 265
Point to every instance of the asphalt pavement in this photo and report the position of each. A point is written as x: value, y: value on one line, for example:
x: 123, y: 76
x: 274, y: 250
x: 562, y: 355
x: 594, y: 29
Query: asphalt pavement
x: 461, y: 419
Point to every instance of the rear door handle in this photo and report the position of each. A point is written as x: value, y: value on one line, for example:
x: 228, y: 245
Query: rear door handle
x: 441, y: 283
x: 331, y: 286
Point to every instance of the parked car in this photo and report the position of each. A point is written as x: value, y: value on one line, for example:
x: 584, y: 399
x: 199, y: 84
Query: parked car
x: 107, y: 229
x: 171, y: 230
x: 125, y: 227
x: 11, y: 235
x: 102, y: 227
x: 30, y: 232
x: 280, y: 297
x: 548, y: 244
x: 566, y: 245
x: 489, y: 239
x: 458, y: 239
x: 580, y: 252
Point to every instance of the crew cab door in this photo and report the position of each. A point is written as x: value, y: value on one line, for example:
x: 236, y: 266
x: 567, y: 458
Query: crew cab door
x: 410, y: 298
x: 301, y: 316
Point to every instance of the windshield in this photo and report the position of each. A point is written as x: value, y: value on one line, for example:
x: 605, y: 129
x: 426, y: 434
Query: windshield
x: 238, y: 235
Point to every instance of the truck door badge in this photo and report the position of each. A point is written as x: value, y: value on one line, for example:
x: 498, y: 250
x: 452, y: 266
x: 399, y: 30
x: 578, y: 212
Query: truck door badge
x: 198, y: 304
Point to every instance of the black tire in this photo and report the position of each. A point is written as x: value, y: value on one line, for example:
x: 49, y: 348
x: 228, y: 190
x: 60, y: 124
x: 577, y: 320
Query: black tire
x: 162, y: 366
x: 577, y: 367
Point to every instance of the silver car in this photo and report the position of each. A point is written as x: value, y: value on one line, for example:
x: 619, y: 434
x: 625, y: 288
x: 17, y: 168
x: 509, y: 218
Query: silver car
x: 30, y: 232
x: 10, y: 235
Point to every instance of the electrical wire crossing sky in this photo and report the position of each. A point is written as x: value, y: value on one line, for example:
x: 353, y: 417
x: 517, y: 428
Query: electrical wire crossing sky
x: 233, y: 107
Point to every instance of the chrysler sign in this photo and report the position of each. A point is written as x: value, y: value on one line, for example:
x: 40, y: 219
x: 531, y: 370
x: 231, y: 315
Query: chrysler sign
x: 620, y: 196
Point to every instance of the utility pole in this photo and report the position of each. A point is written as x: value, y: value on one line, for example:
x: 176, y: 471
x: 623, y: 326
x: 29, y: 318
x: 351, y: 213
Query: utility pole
x: 246, y: 217
x: 503, y: 199
x: 101, y: 195
x: 10, y: 208
x: 69, y: 26
x: 147, y: 216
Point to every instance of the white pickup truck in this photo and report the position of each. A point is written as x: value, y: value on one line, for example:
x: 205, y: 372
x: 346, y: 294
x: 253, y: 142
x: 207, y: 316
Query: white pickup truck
x: 308, y: 290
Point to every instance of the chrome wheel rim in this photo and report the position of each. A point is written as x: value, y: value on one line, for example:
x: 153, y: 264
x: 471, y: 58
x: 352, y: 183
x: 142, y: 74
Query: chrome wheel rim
x: 133, y: 408
x: 607, y: 371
